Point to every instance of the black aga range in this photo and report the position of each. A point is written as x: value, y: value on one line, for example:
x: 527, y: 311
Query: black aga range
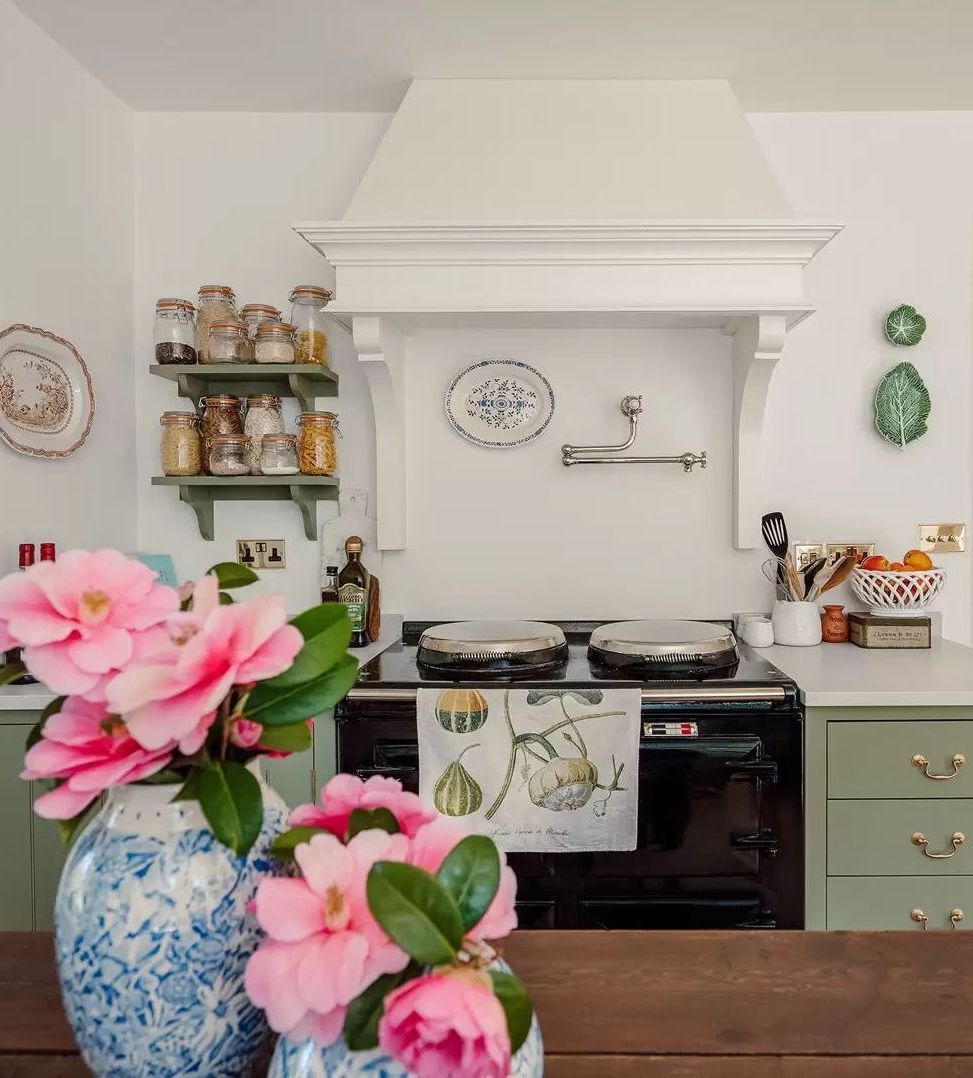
x: 720, y: 828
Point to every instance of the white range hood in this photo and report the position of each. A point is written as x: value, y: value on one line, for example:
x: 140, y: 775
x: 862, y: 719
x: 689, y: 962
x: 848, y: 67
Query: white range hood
x: 599, y: 203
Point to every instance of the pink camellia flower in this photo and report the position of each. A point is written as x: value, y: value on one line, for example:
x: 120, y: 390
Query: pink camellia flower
x: 245, y: 733
x: 345, y: 793
x: 83, y: 618
x: 324, y: 947
x: 446, y: 1024
x: 428, y: 851
x: 92, y: 751
x: 173, y: 695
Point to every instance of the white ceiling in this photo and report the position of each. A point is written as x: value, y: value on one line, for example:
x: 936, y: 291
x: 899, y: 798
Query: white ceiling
x: 358, y: 55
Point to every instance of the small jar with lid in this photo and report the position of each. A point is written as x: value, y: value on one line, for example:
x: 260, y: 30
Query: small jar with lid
x: 216, y: 303
x: 228, y: 455
x: 221, y: 415
x: 278, y: 455
x: 174, y: 331
x: 263, y: 417
x: 275, y: 343
x: 307, y: 314
x: 317, y: 452
x: 253, y: 314
x: 228, y: 343
x: 181, y: 447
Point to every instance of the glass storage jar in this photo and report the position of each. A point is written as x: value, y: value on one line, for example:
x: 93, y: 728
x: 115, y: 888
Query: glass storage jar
x: 307, y: 314
x: 317, y: 453
x: 253, y: 314
x: 174, y: 331
x: 181, y: 449
x: 263, y: 417
x: 275, y: 343
x: 221, y: 415
x: 228, y: 455
x: 216, y: 303
x: 228, y: 343
x: 278, y: 455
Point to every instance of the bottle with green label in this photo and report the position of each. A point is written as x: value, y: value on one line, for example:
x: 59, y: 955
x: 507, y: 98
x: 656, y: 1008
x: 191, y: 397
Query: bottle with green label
x: 353, y: 591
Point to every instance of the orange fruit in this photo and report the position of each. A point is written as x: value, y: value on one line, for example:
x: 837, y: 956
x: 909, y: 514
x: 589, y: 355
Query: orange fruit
x: 917, y: 560
x: 898, y: 567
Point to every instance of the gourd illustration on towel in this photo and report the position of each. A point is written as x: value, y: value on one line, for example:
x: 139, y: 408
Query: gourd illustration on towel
x: 565, y: 779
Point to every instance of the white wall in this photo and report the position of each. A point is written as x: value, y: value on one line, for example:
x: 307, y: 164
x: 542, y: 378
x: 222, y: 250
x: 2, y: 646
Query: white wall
x: 501, y: 533
x: 216, y: 194
x: 66, y: 266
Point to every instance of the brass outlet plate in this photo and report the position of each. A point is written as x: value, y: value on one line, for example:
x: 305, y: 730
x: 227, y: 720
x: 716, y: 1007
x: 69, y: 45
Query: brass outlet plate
x: 262, y: 553
x: 942, y: 538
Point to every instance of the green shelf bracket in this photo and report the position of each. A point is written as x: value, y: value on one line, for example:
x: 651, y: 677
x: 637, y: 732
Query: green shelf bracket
x: 200, y: 492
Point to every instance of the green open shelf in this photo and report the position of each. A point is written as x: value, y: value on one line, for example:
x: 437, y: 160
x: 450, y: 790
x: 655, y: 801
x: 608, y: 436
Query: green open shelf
x: 200, y: 492
x: 305, y: 381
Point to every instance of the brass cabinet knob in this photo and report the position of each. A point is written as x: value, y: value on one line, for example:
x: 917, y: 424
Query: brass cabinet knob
x: 920, y: 918
x: 956, y: 839
x: 958, y: 760
x: 955, y: 916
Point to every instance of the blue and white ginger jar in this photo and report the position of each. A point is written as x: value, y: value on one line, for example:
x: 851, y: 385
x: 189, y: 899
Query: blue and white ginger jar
x: 152, y: 936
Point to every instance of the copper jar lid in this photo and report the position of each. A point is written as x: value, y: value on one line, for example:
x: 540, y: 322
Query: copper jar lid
x: 313, y: 291
x: 220, y: 400
x: 275, y: 329
x: 216, y: 290
x: 168, y: 304
x: 263, y: 400
x: 228, y: 327
x: 319, y: 419
x: 280, y: 441
x: 179, y: 419
x: 260, y: 308
x: 228, y: 440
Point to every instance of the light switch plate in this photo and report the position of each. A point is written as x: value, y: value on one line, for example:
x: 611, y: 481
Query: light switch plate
x: 262, y: 553
x: 942, y: 538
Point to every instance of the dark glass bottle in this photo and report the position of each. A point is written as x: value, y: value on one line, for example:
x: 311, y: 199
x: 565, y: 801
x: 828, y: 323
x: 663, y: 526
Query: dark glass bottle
x: 329, y: 586
x: 26, y: 560
x: 353, y: 591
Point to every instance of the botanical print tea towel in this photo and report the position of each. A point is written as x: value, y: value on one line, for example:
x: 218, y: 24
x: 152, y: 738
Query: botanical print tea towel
x: 538, y: 770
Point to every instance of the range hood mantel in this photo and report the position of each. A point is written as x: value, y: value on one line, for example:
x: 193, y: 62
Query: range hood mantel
x: 451, y: 225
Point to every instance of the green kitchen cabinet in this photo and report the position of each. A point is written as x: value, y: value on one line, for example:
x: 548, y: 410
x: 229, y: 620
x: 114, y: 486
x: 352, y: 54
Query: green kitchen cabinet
x: 298, y: 778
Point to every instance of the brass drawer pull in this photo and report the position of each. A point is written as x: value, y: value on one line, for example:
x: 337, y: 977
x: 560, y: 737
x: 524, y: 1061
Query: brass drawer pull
x: 956, y: 839
x: 920, y: 919
x: 922, y: 763
x: 955, y: 916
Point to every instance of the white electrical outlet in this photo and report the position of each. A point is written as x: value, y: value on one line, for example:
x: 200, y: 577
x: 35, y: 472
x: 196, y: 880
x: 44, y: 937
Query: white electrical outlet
x: 246, y: 552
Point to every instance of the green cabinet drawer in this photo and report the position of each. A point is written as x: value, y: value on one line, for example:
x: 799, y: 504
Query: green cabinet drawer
x: 887, y: 902
x: 874, y: 838
x: 875, y: 759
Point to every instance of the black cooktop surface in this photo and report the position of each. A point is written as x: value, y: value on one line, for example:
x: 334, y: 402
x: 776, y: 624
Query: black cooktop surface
x: 397, y: 666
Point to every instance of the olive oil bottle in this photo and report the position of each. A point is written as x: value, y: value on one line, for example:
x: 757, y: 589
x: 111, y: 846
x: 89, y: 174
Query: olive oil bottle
x: 353, y: 591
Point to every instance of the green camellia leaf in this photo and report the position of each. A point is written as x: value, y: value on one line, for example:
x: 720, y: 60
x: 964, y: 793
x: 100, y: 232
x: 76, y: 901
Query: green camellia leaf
x: 516, y: 1006
x: 284, y: 845
x: 11, y: 672
x: 274, y: 706
x: 471, y: 875
x: 416, y: 912
x: 327, y: 632
x: 231, y: 574
x: 230, y: 798
x: 38, y: 728
x: 380, y: 819
x: 905, y: 326
x: 364, y: 1012
x: 70, y: 829
x: 295, y: 737
x: 902, y: 405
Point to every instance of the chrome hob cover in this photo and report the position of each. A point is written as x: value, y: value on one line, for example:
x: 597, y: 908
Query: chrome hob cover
x: 492, y: 646
x: 655, y: 644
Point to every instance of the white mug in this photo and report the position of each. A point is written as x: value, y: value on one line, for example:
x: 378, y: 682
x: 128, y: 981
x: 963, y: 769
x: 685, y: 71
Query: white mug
x: 758, y: 632
x: 796, y: 624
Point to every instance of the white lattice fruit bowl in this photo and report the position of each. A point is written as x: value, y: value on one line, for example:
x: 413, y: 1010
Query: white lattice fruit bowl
x: 897, y: 594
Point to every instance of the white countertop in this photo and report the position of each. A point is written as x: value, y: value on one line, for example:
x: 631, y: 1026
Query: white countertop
x: 37, y: 697
x: 842, y: 675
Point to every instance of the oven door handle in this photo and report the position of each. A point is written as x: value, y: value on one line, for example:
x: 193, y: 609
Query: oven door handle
x: 390, y: 772
x: 754, y: 769
x: 762, y: 841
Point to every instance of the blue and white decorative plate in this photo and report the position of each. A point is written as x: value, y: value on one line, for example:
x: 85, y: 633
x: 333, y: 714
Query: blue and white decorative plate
x: 499, y: 403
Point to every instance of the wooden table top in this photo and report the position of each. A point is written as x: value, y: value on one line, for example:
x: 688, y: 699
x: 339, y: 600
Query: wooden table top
x: 661, y: 1004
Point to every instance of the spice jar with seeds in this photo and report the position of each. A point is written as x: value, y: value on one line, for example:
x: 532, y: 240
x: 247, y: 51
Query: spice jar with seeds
x: 181, y: 448
x: 275, y: 343
x: 278, y: 455
x: 228, y: 455
x: 307, y: 313
x: 263, y: 417
x: 217, y: 303
x: 253, y: 314
x: 228, y: 343
x: 317, y: 453
x: 174, y: 331
x: 221, y: 415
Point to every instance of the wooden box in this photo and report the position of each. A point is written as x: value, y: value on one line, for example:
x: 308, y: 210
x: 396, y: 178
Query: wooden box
x: 878, y: 631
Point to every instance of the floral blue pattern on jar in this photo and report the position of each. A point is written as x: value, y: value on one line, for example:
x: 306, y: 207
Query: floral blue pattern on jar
x: 152, y: 938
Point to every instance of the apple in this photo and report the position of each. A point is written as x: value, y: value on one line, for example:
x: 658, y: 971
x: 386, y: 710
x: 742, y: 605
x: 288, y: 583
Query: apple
x: 877, y: 563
